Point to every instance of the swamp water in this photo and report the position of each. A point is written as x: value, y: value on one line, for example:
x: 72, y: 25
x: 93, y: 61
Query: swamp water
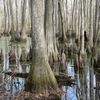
x: 86, y: 80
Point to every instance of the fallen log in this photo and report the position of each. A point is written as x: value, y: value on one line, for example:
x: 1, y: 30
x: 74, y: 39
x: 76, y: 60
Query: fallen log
x: 61, y: 79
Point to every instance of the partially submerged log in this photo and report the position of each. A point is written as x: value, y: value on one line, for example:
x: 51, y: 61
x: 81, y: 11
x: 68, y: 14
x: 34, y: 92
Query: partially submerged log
x: 61, y: 79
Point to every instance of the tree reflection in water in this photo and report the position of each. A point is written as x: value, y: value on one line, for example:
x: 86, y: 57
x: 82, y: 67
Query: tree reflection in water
x: 87, y: 78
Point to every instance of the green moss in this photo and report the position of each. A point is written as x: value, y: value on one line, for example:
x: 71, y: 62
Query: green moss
x: 41, y: 79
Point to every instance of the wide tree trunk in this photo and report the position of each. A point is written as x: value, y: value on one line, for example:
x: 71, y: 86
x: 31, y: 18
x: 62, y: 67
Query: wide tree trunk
x: 41, y: 77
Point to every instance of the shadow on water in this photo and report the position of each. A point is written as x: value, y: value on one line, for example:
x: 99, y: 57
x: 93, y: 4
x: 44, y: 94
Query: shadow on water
x: 87, y: 79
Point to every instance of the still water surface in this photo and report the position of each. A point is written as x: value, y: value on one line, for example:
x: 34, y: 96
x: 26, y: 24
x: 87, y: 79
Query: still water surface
x: 81, y: 91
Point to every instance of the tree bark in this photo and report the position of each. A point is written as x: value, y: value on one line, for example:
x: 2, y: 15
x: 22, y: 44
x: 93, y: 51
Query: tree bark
x: 23, y: 31
x: 12, y: 20
x: 5, y: 16
x: 49, y: 30
x: 82, y: 20
x: 17, y: 31
x: 41, y: 76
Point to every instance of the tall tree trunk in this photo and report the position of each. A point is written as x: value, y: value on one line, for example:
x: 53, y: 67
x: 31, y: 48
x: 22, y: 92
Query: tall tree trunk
x: 41, y: 76
x: 91, y: 25
x: 12, y: 19
x: 82, y: 20
x: 17, y: 31
x: 49, y: 26
x: 49, y: 29
x: 5, y: 16
x: 62, y: 20
x: 23, y: 31
x: 8, y: 17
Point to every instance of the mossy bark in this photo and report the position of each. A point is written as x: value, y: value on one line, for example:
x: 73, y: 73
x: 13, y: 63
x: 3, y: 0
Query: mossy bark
x: 41, y: 77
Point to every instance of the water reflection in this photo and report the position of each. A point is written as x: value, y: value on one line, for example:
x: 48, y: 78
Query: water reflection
x: 85, y: 83
x: 11, y: 55
x: 86, y: 78
x: 70, y: 92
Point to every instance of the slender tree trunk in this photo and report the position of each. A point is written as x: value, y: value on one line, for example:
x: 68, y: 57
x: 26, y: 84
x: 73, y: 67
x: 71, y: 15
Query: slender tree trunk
x: 23, y: 31
x: 82, y: 20
x: 91, y: 80
x: 12, y: 20
x: 62, y: 22
x: 8, y: 17
x: 17, y: 31
x: 91, y: 26
x: 5, y: 16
